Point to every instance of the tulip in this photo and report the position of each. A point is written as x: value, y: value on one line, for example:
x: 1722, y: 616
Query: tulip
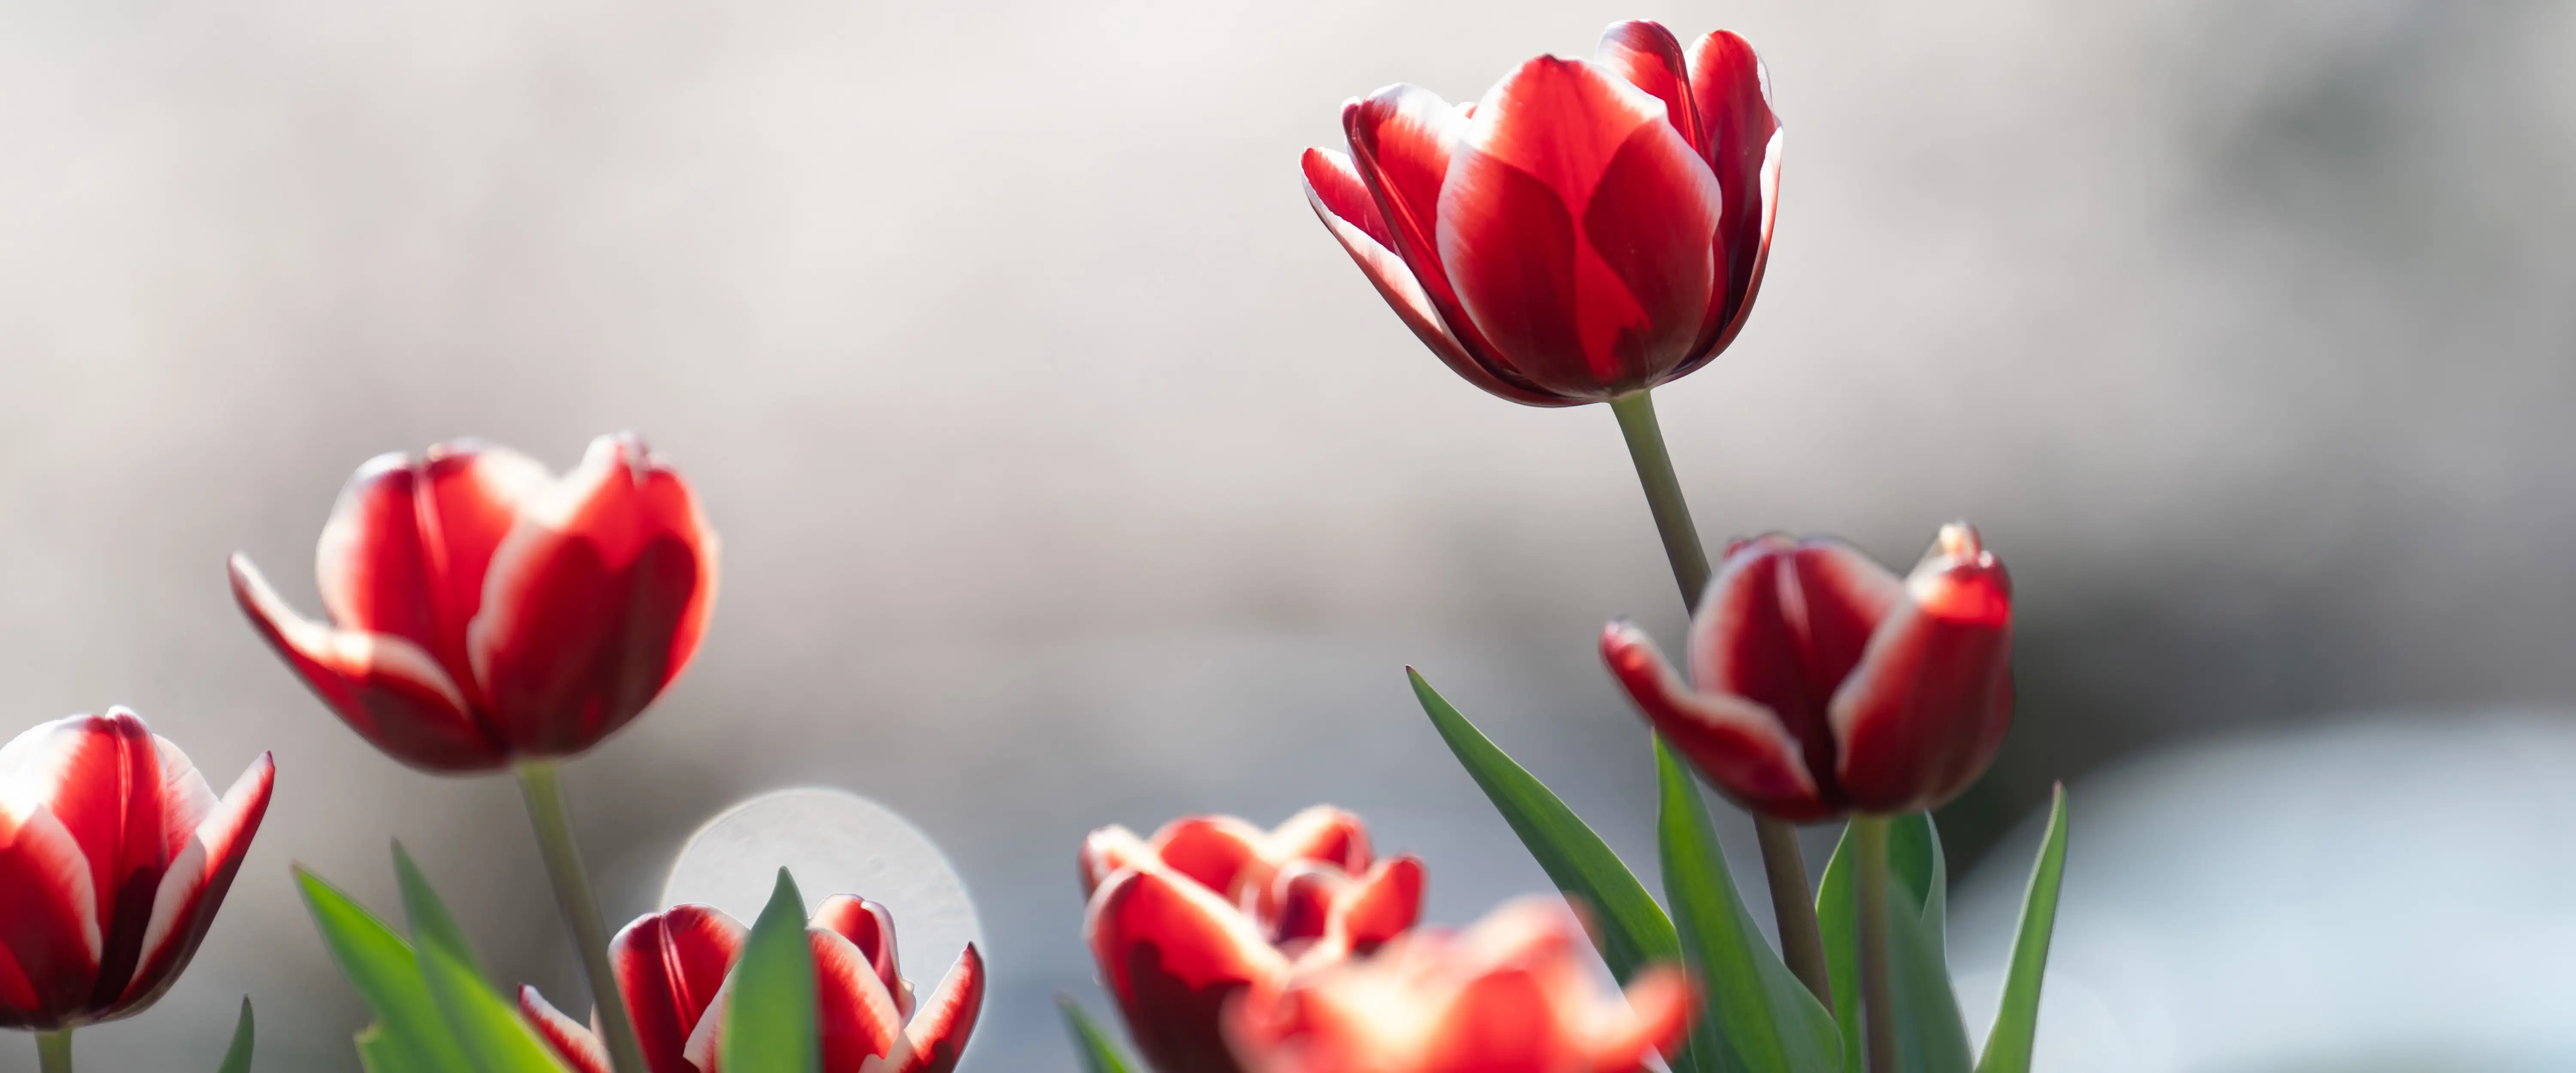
x: 483, y: 612
x: 1821, y: 684
x: 1511, y: 995
x: 1210, y: 906
x: 673, y: 970
x: 114, y: 857
x: 1587, y: 230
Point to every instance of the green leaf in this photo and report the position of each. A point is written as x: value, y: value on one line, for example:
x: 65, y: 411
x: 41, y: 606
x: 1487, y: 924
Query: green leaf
x: 411, y: 1033
x: 1098, y: 1053
x: 1756, y: 1016
x: 1631, y: 930
x: 237, y: 1056
x: 487, y: 1024
x: 769, y: 1020
x: 1930, y: 1036
x: 2008, y: 1044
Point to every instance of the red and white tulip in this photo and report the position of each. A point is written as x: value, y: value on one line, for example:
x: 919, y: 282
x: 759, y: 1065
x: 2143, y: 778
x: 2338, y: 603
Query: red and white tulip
x: 1511, y: 995
x: 1588, y: 229
x: 1821, y: 683
x: 673, y: 969
x: 483, y: 611
x: 114, y: 856
x: 1211, y: 906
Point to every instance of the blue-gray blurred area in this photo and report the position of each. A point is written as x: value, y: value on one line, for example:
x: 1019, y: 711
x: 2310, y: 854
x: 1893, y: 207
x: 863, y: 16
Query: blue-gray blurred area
x: 1069, y: 474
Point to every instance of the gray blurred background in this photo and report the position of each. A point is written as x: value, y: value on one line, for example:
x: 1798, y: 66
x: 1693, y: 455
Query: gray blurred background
x: 1069, y: 474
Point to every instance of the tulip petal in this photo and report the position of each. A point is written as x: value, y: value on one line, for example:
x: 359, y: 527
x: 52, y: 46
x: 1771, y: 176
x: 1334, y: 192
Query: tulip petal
x: 1383, y: 904
x: 1576, y: 225
x: 184, y: 904
x: 49, y: 927
x: 1402, y: 139
x: 1924, y: 711
x: 1658, y: 1015
x: 1341, y: 199
x: 386, y: 688
x: 409, y: 540
x: 100, y: 775
x: 1502, y: 1022
x: 1647, y: 56
x: 1739, y: 744
x: 854, y: 1012
x: 670, y: 968
x: 1107, y: 851
x: 1174, y: 953
x: 1321, y: 833
x: 594, y: 602
x: 937, y: 1035
x: 571, y: 1040
x: 1732, y: 93
x: 869, y: 927
x: 1221, y: 853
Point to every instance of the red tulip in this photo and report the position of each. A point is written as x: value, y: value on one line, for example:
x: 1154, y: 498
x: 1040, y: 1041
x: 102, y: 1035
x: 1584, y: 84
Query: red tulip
x: 1511, y: 995
x: 672, y: 970
x: 114, y: 856
x: 1822, y: 684
x: 482, y: 611
x: 1589, y: 229
x: 1212, y: 905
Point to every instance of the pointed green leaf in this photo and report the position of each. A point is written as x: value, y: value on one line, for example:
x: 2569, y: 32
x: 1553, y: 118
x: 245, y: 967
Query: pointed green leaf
x: 1931, y: 1037
x: 410, y: 1027
x: 1759, y: 1017
x: 769, y: 1019
x: 1630, y: 928
x: 1097, y: 1052
x: 489, y: 1025
x: 2008, y: 1044
x: 237, y: 1056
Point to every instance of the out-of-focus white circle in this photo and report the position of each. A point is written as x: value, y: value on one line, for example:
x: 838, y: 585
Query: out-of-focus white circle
x: 833, y: 842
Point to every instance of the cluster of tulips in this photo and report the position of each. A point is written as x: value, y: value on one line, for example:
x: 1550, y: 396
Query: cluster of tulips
x: 1587, y: 231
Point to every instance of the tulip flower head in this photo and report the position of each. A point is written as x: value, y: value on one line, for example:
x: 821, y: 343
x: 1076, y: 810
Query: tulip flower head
x: 482, y: 611
x: 1511, y: 995
x: 1590, y: 228
x: 1821, y: 683
x: 114, y: 856
x: 673, y: 969
x: 1184, y: 922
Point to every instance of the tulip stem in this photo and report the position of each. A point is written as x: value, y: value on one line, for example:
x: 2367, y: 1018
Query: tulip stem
x: 1802, y: 943
x: 1877, y: 970
x: 54, y: 1051
x: 539, y: 781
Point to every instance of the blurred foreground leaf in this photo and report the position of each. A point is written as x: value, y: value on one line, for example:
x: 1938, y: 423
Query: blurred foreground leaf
x: 1093, y: 1047
x: 1754, y: 1012
x: 488, y: 1025
x: 1930, y: 1036
x: 769, y: 1017
x: 2008, y: 1044
x: 411, y: 1033
x: 237, y: 1056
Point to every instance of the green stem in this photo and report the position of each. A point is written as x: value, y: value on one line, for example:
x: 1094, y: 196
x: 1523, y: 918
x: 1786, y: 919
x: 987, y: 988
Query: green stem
x: 538, y: 780
x: 1802, y: 943
x: 1877, y: 965
x: 54, y: 1051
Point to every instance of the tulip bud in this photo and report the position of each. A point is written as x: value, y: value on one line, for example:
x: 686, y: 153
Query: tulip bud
x: 1512, y: 993
x: 1822, y: 684
x: 1183, y: 923
x: 117, y: 855
x: 1588, y: 229
x: 673, y: 968
x: 482, y: 611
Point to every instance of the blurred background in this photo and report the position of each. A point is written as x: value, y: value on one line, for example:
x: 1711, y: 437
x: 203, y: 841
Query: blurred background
x: 1069, y: 474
